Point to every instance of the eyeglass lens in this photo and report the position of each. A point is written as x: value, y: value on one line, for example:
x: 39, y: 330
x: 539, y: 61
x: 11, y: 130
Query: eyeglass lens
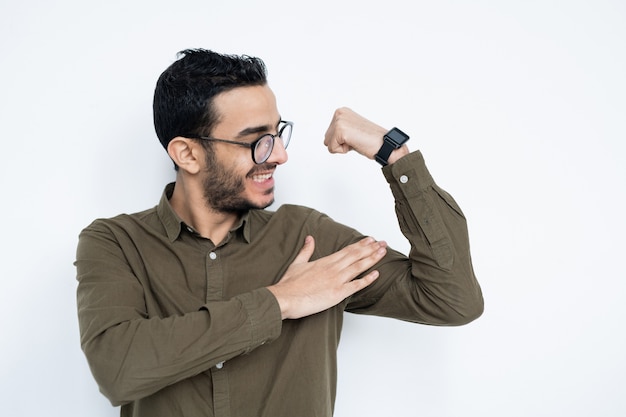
x: 263, y: 148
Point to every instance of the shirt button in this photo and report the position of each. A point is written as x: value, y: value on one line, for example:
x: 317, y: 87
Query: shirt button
x: 219, y: 365
x: 404, y: 179
x: 213, y: 255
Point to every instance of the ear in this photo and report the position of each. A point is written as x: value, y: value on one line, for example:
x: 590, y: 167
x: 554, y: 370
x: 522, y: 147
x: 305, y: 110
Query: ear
x: 186, y: 153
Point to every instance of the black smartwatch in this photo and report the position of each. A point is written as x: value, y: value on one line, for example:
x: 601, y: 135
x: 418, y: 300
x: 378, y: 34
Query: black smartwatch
x: 393, y: 139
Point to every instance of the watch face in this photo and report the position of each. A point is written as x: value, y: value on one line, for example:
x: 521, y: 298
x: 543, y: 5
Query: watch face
x: 397, y: 137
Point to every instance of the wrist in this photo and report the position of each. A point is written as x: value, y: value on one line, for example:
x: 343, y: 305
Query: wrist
x: 398, y: 153
x: 393, y: 147
x: 281, y: 300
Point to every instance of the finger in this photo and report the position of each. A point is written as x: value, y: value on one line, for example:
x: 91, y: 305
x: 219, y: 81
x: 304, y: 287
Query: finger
x: 340, y: 148
x: 346, y: 261
x: 306, y: 252
x: 334, y: 139
x: 359, y: 250
x: 363, y: 264
x: 359, y: 261
x: 330, y: 133
x: 357, y: 285
x: 347, y: 255
x: 328, y: 137
x: 334, y: 144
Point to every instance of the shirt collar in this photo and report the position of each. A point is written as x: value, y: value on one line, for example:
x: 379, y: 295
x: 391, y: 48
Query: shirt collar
x: 174, y: 225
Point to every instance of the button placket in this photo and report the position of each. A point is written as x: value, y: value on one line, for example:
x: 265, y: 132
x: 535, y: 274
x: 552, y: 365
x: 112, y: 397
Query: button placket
x: 214, y: 276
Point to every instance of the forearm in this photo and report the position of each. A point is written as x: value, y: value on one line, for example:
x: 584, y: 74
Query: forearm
x: 133, y: 349
x: 138, y: 357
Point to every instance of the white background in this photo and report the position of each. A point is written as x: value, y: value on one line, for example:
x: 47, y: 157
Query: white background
x: 518, y: 106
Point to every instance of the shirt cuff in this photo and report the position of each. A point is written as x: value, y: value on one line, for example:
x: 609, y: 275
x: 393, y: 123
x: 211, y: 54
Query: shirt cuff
x: 264, y: 316
x: 408, y: 176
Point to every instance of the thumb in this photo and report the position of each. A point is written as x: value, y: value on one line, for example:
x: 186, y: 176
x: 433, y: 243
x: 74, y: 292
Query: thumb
x: 306, y: 252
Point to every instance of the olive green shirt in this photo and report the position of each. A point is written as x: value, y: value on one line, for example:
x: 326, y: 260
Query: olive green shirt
x: 173, y: 324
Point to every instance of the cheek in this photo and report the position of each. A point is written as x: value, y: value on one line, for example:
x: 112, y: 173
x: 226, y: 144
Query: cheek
x: 236, y: 161
x: 242, y: 165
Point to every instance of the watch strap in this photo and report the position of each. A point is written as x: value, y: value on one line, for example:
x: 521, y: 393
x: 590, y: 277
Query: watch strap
x: 382, y: 157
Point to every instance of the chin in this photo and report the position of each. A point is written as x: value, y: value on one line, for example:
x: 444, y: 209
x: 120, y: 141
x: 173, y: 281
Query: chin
x: 265, y: 204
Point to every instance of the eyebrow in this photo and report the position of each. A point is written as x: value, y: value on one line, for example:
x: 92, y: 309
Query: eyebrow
x: 257, y: 129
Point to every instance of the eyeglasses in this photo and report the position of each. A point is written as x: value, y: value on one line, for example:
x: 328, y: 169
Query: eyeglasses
x: 263, y: 146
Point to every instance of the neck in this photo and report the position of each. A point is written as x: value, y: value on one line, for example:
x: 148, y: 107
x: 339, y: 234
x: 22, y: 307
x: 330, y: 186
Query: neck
x: 189, y: 204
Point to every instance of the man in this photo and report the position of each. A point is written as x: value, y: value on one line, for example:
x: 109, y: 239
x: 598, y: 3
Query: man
x: 210, y: 305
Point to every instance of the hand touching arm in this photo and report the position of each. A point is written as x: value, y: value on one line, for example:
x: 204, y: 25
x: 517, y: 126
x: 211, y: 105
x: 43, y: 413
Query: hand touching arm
x: 310, y: 287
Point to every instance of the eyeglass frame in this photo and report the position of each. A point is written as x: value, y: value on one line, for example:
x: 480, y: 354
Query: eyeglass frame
x: 252, y: 145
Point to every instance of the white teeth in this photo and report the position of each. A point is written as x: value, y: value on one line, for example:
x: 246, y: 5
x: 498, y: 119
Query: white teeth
x: 263, y: 177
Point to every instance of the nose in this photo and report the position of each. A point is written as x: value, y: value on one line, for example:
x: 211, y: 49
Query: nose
x: 279, y: 153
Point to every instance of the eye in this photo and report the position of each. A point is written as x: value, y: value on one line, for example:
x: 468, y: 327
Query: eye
x: 265, y: 142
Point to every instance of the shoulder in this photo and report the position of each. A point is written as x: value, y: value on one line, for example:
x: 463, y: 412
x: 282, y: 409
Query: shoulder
x: 124, y: 222
x: 294, y: 221
x: 288, y: 221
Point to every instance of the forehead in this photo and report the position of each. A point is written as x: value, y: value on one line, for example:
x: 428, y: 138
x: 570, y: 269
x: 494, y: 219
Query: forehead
x: 245, y: 107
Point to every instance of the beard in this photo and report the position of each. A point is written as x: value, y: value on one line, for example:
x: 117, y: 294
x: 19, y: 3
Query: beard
x: 224, y: 188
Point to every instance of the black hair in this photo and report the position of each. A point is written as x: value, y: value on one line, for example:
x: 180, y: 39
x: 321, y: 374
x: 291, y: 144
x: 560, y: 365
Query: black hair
x: 184, y: 93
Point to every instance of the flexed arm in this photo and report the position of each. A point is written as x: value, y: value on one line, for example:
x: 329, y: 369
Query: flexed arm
x: 435, y: 284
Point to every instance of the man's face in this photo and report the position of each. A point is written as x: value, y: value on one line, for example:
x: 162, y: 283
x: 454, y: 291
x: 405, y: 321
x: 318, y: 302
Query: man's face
x: 233, y: 182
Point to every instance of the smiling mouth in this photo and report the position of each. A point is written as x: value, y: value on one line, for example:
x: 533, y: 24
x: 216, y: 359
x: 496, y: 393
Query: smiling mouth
x: 262, y: 173
x: 261, y: 177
